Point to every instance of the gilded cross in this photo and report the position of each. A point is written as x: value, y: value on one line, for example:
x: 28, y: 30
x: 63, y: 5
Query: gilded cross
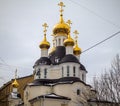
x: 76, y: 34
x: 69, y: 22
x: 61, y: 4
x: 45, y: 27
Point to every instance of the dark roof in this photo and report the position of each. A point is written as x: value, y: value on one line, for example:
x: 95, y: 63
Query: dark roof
x: 43, y: 61
x: 69, y: 58
x: 52, y: 96
x: 82, y: 67
x: 57, y: 55
x: 102, y: 101
x: 49, y: 82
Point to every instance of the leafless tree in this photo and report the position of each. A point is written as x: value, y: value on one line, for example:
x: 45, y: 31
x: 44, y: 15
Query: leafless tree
x: 108, y: 85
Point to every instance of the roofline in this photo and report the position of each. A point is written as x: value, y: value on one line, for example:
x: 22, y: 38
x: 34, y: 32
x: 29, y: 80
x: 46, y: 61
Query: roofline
x: 52, y: 97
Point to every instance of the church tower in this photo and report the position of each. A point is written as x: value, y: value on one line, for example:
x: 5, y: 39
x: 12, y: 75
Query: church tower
x: 15, y: 97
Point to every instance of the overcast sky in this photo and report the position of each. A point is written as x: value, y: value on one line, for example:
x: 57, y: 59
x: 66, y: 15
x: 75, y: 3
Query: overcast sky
x: 21, y: 32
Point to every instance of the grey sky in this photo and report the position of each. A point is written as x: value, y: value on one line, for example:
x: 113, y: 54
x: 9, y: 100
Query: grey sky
x: 21, y: 31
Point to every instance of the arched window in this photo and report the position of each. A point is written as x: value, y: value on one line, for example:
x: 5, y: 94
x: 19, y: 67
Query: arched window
x: 63, y: 39
x: 82, y: 77
x: 68, y: 74
x: 38, y: 73
x: 62, y: 72
x: 74, y: 71
x: 45, y: 73
x: 59, y: 40
x: 78, y: 91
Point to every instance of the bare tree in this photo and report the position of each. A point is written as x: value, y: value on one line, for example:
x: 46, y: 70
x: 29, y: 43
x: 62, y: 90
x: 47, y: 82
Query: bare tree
x: 108, y: 85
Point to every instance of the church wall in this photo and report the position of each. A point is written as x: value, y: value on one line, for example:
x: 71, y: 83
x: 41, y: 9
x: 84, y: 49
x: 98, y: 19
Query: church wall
x: 71, y: 65
x: 34, y: 91
x: 70, y: 90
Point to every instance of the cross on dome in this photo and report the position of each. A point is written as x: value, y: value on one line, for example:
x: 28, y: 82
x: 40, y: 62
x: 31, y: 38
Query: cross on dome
x: 45, y: 26
x: 61, y: 4
x: 69, y: 22
x: 76, y: 34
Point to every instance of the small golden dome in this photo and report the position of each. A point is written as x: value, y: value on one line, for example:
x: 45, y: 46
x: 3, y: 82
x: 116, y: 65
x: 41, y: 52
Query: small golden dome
x: 77, y: 50
x: 61, y: 27
x: 44, y: 44
x: 69, y: 41
x: 15, y: 84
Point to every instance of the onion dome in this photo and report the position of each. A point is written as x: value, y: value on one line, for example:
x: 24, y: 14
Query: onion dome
x: 61, y: 27
x: 69, y: 41
x: 15, y: 84
x: 76, y: 49
x: 44, y: 44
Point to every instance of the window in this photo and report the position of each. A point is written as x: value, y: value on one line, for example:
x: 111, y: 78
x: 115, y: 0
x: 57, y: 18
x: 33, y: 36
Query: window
x: 68, y: 71
x: 78, y: 91
x: 45, y: 73
x: 59, y: 41
x: 62, y: 72
x: 82, y: 77
x: 74, y: 71
x: 38, y: 73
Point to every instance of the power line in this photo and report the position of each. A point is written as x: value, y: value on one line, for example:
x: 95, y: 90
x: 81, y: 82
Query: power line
x: 91, y: 11
x: 102, y: 41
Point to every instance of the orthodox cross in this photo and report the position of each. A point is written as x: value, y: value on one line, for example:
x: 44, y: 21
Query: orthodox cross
x: 45, y: 27
x: 76, y: 35
x: 61, y: 4
x: 69, y: 22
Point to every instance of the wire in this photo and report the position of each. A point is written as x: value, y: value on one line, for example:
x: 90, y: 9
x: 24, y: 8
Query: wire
x: 102, y: 41
x: 91, y: 11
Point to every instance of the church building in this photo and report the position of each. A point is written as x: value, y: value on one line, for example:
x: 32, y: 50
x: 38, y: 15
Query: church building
x: 59, y: 75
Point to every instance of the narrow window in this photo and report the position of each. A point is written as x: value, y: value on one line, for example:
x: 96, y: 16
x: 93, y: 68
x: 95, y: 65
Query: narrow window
x: 38, y: 73
x: 74, y: 71
x: 45, y: 73
x: 59, y: 41
x: 82, y: 77
x: 62, y: 72
x: 78, y: 91
x: 68, y: 71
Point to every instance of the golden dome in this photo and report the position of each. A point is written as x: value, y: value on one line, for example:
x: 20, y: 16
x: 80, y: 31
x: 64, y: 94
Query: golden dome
x: 77, y: 50
x: 69, y: 41
x: 61, y: 27
x: 44, y: 44
x: 15, y: 84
